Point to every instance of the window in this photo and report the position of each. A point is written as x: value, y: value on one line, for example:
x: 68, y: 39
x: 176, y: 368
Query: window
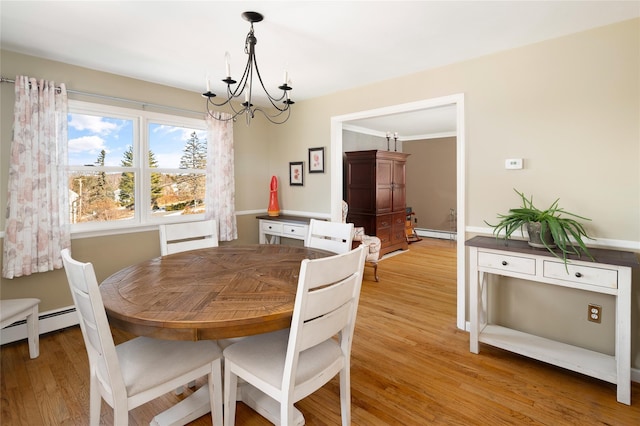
x: 131, y: 168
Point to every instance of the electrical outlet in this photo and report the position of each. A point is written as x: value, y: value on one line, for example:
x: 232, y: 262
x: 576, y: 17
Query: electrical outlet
x: 595, y: 313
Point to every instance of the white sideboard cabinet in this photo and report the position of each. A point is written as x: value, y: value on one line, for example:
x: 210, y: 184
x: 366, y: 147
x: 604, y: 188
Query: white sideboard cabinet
x: 610, y: 273
x: 271, y: 228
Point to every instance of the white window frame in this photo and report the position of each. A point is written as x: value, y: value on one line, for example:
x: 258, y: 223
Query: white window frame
x: 142, y: 219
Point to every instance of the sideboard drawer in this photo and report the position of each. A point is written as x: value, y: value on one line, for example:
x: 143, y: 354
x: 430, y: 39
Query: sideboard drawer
x: 272, y: 227
x: 581, y: 274
x: 294, y: 231
x: 502, y: 262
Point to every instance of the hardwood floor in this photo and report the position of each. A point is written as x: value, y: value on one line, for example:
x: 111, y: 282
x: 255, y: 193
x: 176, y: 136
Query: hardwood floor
x: 410, y: 366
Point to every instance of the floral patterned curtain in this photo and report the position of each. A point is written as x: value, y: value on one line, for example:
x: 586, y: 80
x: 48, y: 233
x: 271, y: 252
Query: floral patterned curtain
x: 220, y: 196
x: 37, y: 226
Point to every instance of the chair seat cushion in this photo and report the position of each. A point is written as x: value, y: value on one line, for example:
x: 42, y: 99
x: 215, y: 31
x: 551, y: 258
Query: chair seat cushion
x: 263, y: 356
x: 372, y: 243
x: 146, y: 362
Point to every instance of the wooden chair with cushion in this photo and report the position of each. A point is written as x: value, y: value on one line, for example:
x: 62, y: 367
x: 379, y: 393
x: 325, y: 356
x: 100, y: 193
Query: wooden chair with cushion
x: 290, y: 364
x: 179, y: 237
x: 373, y: 246
x: 371, y: 242
x: 138, y: 370
x: 335, y: 237
x: 12, y: 310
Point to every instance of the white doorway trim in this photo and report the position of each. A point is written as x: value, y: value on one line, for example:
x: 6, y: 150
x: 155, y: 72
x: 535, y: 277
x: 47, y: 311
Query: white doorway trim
x: 337, y: 173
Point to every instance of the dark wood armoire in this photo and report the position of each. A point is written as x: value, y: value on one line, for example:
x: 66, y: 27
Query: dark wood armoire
x: 376, y: 195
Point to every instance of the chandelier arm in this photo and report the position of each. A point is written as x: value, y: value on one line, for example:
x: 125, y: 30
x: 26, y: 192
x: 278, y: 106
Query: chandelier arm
x: 272, y: 118
x: 241, y: 84
x: 272, y: 99
x: 215, y: 114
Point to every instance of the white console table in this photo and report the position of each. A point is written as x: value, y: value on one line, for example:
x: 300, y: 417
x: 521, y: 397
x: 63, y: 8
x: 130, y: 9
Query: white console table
x: 609, y: 274
x: 271, y: 228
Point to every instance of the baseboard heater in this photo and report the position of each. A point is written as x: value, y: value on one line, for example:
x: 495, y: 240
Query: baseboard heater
x: 47, y: 322
x: 435, y: 233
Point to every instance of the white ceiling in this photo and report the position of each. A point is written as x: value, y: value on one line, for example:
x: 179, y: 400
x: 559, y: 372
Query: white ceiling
x: 326, y: 46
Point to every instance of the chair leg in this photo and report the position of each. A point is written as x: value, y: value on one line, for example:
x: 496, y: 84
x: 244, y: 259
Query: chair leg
x: 215, y: 393
x: 230, y: 395
x: 345, y: 395
x: 33, y: 333
x: 95, y: 401
x: 375, y: 269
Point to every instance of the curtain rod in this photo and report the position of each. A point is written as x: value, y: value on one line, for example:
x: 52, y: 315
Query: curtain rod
x: 114, y: 98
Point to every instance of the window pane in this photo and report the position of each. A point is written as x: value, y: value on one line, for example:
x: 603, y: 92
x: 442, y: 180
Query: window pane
x: 177, y: 147
x: 100, y: 196
x: 97, y: 140
x: 177, y: 193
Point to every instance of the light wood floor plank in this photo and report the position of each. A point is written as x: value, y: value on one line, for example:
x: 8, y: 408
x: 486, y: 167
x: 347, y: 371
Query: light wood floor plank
x: 410, y: 366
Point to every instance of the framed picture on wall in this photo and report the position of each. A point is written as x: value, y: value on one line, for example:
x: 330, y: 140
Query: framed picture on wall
x: 316, y: 160
x: 296, y: 173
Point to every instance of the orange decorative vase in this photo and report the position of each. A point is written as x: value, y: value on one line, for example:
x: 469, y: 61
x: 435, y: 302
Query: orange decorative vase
x: 273, y: 209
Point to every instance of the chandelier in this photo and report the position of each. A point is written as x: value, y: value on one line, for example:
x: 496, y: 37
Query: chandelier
x: 280, y: 113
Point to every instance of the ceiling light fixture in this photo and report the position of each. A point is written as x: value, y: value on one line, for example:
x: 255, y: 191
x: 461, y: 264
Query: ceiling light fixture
x: 246, y: 86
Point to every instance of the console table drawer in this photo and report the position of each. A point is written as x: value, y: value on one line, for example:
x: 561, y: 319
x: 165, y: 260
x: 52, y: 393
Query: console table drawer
x: 294, y: 231
x: 600, y: 277
x: 502, y: 262
x: 272, y: 227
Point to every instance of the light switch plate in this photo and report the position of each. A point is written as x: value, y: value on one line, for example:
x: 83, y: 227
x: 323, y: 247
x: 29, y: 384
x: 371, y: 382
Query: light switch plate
x: 513, y: 163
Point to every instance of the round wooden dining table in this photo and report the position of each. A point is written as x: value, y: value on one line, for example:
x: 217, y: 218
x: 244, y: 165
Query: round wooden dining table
x: 213, y: 293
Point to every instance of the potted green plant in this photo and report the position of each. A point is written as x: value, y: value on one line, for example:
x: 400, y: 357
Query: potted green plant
x: 546, y: 228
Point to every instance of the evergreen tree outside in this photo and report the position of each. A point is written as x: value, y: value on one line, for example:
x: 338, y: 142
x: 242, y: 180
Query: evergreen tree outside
x: 127, y: 184
x: 194, y: 157
x: 194, y: 154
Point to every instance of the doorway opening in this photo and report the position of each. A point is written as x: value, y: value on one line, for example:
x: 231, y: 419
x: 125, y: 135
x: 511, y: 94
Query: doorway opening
x: 457, y: 100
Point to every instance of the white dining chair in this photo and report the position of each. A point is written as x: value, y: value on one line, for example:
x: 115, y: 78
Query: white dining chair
x: 290, y: 364
x: 12, y: 310
x: 179, y: 237
x: 138, y: 370
x: 335, y: 237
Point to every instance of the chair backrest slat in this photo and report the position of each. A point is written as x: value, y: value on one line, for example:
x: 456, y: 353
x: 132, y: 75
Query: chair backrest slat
x: 335, y: 237
x: 179, y: 237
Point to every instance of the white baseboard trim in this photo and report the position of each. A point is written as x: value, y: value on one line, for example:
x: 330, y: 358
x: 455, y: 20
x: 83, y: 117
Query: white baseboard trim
x: 435, y: 233
x: 47, y: 322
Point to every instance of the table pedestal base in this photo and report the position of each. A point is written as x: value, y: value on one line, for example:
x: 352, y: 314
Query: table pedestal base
x: 197, y: 405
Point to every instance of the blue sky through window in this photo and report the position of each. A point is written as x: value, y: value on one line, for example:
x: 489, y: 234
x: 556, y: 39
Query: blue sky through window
x: 90, y: 134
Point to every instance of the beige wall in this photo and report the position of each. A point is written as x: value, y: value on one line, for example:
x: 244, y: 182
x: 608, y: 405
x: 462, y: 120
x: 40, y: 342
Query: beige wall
x: 570, y: 107
x: 431, y: 182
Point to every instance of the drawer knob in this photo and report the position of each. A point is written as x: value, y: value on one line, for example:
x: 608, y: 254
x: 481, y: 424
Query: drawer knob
x: 504, y: 263
x: 578, y: 275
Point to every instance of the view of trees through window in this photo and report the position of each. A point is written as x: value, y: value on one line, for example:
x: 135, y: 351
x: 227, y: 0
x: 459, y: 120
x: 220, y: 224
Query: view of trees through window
x: 106, y: 179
